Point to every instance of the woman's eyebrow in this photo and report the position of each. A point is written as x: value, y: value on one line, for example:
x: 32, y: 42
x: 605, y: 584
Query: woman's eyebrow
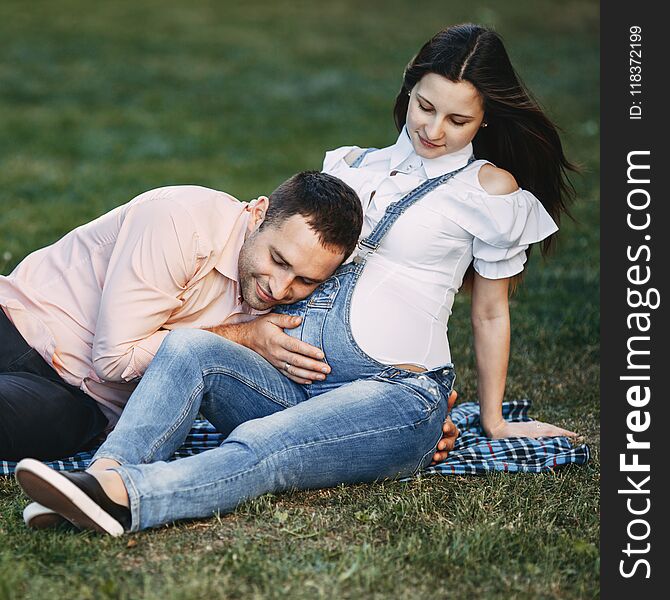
x: 420, y: 97
x: 423, y: 99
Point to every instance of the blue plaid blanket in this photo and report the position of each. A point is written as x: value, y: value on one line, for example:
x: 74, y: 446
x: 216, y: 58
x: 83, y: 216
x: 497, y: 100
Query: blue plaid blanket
x: 473, y: 454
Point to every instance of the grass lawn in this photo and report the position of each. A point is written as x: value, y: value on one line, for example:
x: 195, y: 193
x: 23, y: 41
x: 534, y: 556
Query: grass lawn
x: 101, y: 101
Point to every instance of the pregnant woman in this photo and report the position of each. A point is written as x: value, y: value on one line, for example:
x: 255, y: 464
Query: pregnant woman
x: 476, y: 176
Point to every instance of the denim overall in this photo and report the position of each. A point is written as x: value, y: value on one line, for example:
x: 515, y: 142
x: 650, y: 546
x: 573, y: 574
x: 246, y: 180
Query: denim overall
x: 326, y: 313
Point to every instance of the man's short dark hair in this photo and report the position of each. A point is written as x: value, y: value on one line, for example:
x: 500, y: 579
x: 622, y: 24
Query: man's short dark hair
x: 331, y: 208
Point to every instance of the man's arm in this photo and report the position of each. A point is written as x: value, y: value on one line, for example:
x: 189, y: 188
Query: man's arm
x: 153, y: 259
x: 265, y: 335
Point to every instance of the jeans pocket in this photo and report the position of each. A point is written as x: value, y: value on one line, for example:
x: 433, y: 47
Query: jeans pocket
x: 428, y: 391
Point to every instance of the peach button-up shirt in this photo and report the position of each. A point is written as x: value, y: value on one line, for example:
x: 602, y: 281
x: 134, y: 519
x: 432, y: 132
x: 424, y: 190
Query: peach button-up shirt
x: 98, y: 303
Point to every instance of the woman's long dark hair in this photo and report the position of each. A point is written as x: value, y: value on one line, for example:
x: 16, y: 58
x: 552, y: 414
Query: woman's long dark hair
x: 519, y: 136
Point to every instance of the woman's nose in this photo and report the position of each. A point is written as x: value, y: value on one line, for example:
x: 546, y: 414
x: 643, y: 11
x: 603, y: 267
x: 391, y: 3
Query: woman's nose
x: 434, y: 130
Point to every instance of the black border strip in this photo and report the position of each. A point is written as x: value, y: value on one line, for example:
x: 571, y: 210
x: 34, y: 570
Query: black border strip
x: 633, y: 547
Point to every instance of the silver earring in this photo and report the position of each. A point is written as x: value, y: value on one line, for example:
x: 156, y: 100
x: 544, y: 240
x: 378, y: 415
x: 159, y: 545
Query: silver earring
x: 485, y: 124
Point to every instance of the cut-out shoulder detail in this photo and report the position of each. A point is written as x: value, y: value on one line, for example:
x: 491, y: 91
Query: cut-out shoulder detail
x: 351, y: 157
x: 497, y: 181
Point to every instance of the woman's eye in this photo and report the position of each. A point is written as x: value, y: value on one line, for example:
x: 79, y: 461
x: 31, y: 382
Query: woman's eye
x: 424, y: 108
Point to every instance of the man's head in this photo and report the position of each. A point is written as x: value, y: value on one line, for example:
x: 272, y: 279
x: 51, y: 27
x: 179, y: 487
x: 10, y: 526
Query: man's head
x: 297, y: 237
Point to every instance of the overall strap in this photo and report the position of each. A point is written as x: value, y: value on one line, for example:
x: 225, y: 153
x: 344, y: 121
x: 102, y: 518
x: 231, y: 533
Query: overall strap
x: 360, y: 157
x: 393, y: 211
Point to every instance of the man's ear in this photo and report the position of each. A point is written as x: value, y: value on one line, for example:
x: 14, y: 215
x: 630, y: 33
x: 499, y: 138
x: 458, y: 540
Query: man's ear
x: 258, y: 209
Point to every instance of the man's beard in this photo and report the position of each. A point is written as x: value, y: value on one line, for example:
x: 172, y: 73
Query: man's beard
x: 246, y: 268
x: 249, y: 294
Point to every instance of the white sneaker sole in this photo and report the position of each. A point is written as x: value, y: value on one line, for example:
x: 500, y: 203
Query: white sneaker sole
x: 36, y: 516
x: 53, y: 490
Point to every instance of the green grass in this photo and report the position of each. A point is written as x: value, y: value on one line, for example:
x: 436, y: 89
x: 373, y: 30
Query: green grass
x: 100, y: 101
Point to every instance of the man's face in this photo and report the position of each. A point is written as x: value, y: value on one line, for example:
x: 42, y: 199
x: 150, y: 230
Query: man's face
x: 283, y: 263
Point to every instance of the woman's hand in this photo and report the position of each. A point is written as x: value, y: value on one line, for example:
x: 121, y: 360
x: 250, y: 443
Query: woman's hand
x: 530, y: 429
x: 449, y: 434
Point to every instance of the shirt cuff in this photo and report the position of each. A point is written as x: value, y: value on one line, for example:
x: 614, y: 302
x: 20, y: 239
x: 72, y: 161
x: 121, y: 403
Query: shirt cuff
x: 142, y: 355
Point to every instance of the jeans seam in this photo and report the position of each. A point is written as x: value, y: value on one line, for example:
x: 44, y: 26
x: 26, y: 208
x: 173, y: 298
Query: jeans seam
x: 108, y: 455
x: 175, y: 425
x: 248, y: 382
x: 133, y: 497
x: 429, y: 453
x: 18, y: 359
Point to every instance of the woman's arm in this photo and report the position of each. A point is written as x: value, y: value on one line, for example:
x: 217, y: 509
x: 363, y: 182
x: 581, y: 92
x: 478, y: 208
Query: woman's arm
x: 491, y: 329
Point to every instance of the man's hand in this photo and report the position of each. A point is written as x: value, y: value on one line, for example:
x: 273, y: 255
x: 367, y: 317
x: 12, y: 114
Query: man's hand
x: 449, y: 434
x: 299, y: 361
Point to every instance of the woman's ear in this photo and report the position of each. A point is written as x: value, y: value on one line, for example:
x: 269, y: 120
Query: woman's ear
x: 258, y: 209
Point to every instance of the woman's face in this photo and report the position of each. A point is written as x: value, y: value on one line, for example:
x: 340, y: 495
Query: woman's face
x: 443, y: 116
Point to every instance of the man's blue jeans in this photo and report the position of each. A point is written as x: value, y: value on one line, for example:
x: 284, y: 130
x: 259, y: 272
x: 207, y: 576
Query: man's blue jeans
x: 281, y: 435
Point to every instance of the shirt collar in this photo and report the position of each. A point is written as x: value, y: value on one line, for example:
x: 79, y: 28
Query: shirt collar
x: 227, y: 263
x: 434, y: 167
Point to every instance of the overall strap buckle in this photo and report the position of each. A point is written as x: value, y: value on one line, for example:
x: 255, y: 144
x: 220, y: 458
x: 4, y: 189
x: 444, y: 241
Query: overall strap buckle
x: 365, y: 248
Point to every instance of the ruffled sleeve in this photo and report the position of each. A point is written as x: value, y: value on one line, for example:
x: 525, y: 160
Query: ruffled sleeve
x: 361, y: 180
x: 334, y: 159
x: 503, y: 227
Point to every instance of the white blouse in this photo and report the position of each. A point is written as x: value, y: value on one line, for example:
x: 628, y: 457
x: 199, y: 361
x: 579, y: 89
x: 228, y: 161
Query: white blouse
x: 403, y: 299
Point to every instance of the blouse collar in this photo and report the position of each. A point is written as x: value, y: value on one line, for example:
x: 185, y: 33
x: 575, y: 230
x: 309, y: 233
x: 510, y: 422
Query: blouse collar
x: 434, y: 167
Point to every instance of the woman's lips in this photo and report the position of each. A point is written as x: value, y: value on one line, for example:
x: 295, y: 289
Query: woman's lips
x: 263, y: 296
x: 428, y: 144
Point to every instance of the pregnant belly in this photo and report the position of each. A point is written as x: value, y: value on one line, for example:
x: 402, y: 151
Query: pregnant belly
x: 326, y: 329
